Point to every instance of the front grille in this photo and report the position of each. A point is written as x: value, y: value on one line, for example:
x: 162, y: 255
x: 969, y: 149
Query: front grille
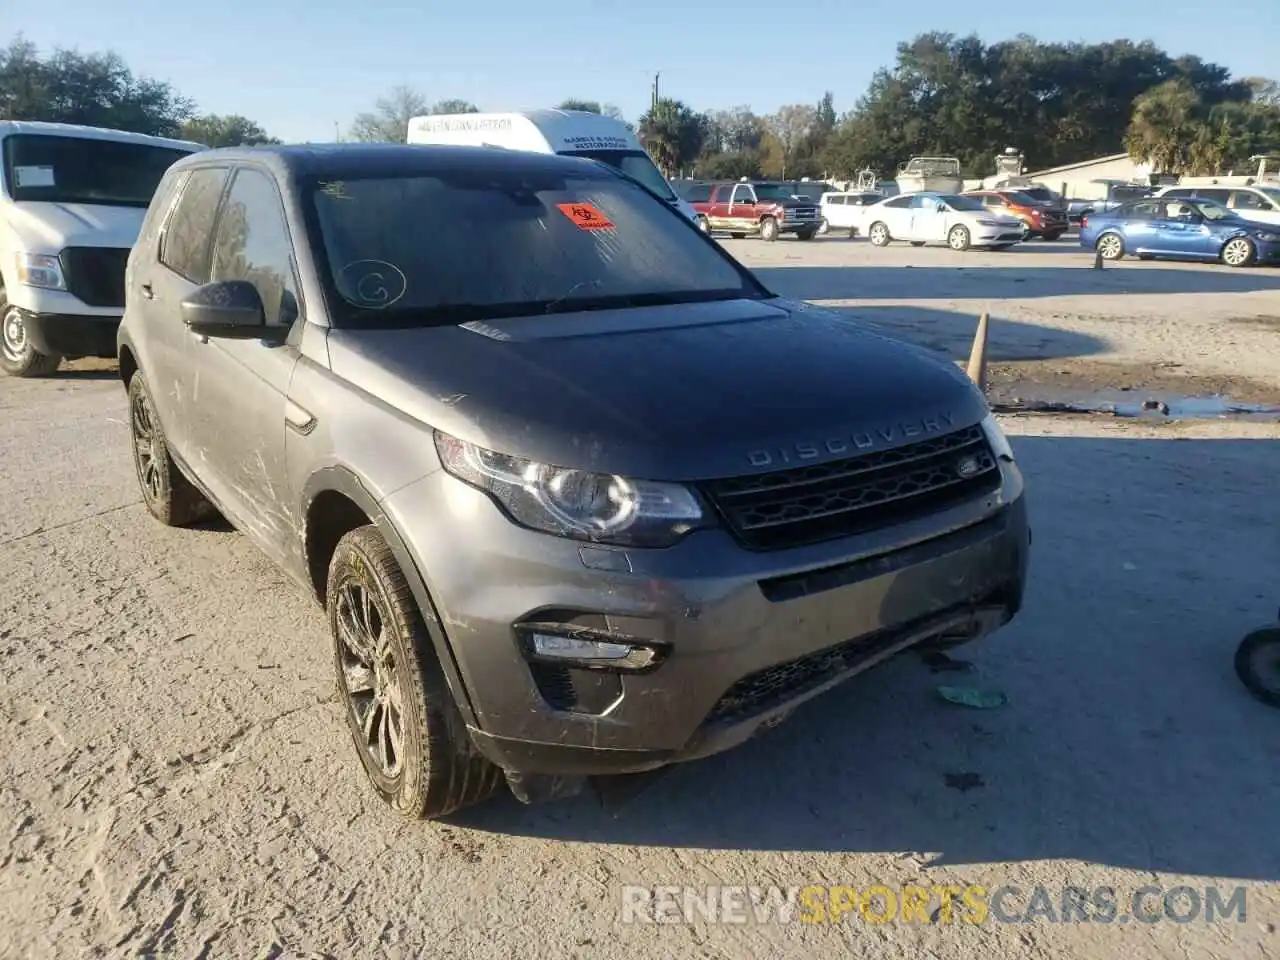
x: 803, y: 214
x: 801, y: 505
x: 95, y: 274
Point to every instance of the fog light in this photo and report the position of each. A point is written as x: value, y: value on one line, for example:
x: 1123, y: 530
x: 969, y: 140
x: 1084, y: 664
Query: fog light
x: 573, y: 648
x: 588, y: 649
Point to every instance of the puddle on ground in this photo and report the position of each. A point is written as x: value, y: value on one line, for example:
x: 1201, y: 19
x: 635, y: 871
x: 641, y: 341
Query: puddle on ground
x: 1135, y: 403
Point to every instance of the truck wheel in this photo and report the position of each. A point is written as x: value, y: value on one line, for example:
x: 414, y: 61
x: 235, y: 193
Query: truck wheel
x: 805, y: 234
x: 958, y: 238
x: 408, y: 733
x: 1238, y: 252
x: 18, y: 357
x: 169, y: 496
x: 879, y: 234
x: 769, y: 229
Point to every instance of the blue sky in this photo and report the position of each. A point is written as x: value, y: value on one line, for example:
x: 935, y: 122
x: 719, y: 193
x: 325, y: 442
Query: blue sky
x: 299, y: 66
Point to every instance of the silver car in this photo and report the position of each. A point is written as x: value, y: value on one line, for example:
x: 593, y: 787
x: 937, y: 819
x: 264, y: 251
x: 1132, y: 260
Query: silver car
x: 578, y: 494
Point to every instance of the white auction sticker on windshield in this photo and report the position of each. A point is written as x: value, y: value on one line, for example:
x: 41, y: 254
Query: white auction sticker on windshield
x: 33, y: 176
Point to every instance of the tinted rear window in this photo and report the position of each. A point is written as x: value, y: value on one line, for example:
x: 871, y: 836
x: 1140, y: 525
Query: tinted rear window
x: 61, y: 169
x: 413, y: 249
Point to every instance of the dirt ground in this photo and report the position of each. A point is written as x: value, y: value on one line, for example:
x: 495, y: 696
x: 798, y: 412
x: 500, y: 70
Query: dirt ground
x: 176, y: 779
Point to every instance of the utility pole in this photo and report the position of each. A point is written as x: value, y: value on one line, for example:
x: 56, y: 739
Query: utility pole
x: 337, y: 137
x: 654, y: 104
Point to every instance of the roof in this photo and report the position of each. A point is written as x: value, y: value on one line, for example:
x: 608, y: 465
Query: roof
x: 1098, y: 161
x: 557, y: 126
x: 373, y: 159
x: 45, y: 128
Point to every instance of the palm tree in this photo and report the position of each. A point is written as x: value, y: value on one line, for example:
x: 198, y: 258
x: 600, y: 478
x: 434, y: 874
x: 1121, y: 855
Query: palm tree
x: 1166, y: 122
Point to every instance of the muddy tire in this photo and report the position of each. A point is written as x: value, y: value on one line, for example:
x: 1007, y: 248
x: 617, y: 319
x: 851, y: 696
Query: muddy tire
x: 407, y: 731
x: 958, y: 238
x: 1257, y: 664
x: 166, y: 492
x: 768, y: 229
x: 18, y: 358
x: 1110, y: 246
x: 1238, y: 252
x: 879, y: 234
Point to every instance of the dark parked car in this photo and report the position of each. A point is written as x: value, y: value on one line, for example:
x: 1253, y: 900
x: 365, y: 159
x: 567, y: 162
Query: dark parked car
x: 1192, y: 229
x: 578, y: 494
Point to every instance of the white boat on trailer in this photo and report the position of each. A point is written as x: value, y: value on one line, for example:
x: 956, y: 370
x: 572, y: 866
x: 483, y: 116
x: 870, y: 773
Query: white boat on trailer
x: 930, y: 174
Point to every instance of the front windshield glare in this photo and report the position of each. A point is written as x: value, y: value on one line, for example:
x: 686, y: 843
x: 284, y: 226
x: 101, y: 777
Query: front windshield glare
x: 415, y: 249
x: 59, y: 169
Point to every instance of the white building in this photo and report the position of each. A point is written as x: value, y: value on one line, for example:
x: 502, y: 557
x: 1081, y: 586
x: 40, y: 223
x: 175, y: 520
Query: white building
x: 1081, y: 180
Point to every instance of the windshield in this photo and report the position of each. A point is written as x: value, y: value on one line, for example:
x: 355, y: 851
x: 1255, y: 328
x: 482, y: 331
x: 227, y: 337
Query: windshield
x: 963, y: 204
x: 417, y: 250
x: 61, y: 169
x: 1042, y: 194
x: 635, y: 164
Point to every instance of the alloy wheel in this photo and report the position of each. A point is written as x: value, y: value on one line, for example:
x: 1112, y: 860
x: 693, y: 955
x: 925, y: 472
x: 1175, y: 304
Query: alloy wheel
x: 142, y: 422
x: 1111, y: 247
x: 370, y: 676
x: 13, y: 336
x: 1237, y: 252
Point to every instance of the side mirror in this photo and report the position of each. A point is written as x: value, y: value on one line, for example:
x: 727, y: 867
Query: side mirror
x: 230, y: 309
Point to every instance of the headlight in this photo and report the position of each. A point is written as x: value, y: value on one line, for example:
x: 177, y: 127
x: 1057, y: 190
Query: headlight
x: 1268, y: 237
x: 40, y: 270
x: 597, y: 507
x: 995, y: 436
x: 990, y: 223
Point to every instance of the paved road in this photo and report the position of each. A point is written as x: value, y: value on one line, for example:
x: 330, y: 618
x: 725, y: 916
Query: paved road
x: 175, y: 778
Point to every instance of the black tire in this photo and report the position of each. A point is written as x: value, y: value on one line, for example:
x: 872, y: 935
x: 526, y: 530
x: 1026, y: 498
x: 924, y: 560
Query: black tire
x: 1252, y: 656
x: 805, y: 234
x: 168, y: 495
x: 18, y: 358
x: 437, y: 770
x: 768, y: 229
x: 917, y: 243
x: 879, y: 234
x: 737, y: 236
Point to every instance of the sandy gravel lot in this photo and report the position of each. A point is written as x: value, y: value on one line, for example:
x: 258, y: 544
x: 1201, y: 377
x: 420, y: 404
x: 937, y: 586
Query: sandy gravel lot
x: 175, y: 778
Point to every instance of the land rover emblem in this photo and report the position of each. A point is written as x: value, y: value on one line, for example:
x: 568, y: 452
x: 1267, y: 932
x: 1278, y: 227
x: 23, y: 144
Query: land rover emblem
x: 967, y: 467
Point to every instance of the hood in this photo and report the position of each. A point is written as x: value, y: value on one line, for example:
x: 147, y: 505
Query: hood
x: 46, y: 227
x: 683, y: 392
x: 791, y: 203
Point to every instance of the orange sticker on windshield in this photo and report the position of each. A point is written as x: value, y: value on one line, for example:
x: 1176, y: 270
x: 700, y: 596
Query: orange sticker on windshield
x: 586, y: 216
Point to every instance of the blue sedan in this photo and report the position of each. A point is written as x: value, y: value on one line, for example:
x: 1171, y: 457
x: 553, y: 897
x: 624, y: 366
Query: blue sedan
x: 1181, y: 229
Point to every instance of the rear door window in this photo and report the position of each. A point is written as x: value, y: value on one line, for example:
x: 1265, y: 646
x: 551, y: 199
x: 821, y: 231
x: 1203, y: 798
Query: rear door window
x: 1211, y: 194
x: 1248, y: 200
x: 184, y: 245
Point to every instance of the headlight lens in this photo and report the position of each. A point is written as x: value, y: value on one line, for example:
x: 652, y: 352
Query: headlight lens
x: 995, y: 436
x: 579, y: 504
x: 40, y: 270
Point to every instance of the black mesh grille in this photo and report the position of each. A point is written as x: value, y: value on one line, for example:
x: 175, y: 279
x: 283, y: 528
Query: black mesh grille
x: 95, y: 274
x: 800, y: 505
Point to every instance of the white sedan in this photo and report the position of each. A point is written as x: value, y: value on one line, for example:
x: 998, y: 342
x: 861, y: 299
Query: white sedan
x: 920, y: 218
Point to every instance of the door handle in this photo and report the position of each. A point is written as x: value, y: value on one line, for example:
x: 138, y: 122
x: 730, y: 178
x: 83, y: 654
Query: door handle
x: 147, y: 291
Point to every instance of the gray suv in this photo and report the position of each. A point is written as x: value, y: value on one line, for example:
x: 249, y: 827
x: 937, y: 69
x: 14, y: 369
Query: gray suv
x: 579, y: 495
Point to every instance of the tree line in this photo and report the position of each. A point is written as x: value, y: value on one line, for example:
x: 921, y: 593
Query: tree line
x: 948, y: 95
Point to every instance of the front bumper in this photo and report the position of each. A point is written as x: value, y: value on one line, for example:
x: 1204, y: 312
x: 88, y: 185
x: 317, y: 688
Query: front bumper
x: 799, y: 226
x: 982, y: 236
x: 1268, y: 252
x: 746, y: 635
x: 72, y: 335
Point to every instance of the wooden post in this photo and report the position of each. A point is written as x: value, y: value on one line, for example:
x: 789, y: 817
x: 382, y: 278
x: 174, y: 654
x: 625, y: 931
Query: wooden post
x: 978, y: 355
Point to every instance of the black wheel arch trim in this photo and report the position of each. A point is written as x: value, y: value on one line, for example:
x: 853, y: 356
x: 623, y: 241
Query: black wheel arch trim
x: 344, y: 481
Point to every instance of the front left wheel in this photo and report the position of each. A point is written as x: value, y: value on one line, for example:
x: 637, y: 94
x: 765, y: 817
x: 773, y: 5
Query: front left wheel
x: 1257, y: 664
x: 958, y: 238
x: 408, y: 733
x: 18, y: 357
